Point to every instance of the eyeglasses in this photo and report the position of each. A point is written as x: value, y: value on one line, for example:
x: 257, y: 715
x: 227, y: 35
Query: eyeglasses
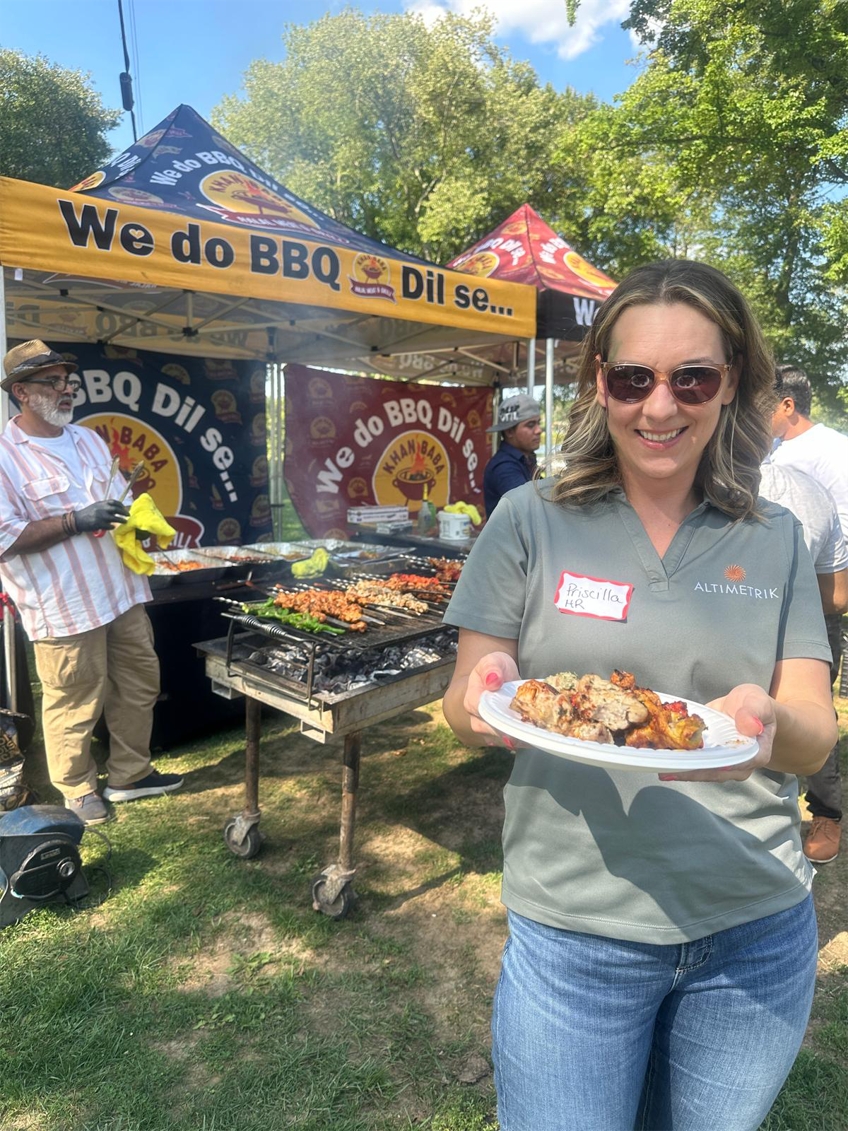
x: 60, y: 384
x: 689, y: 384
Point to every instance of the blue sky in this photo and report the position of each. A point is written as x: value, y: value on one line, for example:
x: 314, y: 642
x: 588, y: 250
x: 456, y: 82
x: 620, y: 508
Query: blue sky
x: 196, y: 51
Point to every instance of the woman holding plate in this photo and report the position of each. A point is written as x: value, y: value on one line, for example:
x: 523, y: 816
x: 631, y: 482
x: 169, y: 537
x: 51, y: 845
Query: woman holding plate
x: 661, y: 958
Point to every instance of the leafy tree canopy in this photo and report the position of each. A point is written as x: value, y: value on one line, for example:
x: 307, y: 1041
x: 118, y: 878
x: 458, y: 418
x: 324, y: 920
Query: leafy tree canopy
x: 424, y: 137
x: 53, y: 126
x: 731, y: 146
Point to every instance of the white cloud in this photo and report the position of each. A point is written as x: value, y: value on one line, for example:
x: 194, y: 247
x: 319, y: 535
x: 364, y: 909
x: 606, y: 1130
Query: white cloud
x: 539, y: 21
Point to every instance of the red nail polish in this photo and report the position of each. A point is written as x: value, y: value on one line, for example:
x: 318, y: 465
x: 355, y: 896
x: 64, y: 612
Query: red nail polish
x: 759, y: 724
x: 492, y: 679
x: 668, y: 777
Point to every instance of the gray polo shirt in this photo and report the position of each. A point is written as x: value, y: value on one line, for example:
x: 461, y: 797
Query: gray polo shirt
x: 621, y: 853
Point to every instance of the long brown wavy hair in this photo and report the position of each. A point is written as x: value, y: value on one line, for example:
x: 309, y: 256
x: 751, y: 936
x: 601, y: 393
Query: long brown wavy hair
x: 729, y: 471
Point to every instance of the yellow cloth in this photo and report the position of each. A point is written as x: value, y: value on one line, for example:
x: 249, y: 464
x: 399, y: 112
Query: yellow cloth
x: 312, y: 567
x: 144, y: 515
x: 465, y: 508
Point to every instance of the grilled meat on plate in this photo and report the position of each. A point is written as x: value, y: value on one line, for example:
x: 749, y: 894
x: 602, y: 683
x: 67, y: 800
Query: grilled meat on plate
x: 611, y: 711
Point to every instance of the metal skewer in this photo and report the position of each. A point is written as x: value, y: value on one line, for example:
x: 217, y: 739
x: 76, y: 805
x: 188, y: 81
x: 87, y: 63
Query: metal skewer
x: 137, y: 472
x: 116, y: 463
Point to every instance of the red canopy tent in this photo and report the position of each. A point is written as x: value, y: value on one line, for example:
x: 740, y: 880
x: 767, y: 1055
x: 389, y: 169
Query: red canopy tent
x: 524, y: 249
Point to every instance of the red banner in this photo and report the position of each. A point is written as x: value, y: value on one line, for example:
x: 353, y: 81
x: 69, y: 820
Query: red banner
x: 357, y: 441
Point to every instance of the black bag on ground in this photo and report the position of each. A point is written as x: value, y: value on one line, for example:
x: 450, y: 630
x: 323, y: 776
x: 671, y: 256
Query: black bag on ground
x: 25, y: 706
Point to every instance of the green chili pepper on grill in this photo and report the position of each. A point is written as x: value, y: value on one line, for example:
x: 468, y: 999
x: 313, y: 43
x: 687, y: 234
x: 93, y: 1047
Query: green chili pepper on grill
x: 267, y: 610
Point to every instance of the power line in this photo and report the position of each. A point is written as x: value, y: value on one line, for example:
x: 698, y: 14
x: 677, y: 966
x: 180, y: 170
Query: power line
x: 137, y: 65
x: 125, y: 79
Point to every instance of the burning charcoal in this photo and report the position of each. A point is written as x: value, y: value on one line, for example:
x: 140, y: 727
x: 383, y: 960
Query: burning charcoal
x: 420, y: 656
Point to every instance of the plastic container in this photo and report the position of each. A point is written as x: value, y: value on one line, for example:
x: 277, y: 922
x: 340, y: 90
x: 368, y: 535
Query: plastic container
x: 454, y: 527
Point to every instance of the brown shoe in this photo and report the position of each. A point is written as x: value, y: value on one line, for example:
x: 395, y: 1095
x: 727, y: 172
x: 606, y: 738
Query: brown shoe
x: 822, y: 843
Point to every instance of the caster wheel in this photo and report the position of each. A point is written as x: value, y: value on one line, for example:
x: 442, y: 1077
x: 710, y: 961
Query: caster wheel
x: 249, y: 847
x: 338, y: 908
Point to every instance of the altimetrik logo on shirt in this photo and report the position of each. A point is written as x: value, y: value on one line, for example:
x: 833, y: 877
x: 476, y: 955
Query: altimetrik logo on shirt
x: 735, y: 575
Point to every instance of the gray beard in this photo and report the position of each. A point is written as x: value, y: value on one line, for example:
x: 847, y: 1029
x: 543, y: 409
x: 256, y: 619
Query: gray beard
x: 49, y: 412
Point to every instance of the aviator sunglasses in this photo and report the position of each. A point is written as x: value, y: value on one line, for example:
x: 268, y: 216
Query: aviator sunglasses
x: 689, y: 384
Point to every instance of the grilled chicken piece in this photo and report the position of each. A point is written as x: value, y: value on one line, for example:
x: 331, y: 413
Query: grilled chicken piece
x: 373, y: 593
x: 542, y: 705
x: 669, y: 725
x: 563, y: 681
x: 601, y: 701
x: 625, y: 680
x: 589, y: 732
x: 314, y: 601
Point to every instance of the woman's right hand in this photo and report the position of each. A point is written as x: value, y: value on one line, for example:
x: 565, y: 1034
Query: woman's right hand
x: 489, y: 674
x: 483, y: 663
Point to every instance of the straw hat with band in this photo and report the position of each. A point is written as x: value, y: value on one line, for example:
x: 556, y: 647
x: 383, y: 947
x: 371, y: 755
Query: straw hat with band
x: 516, y: 410
x: 28, y: 359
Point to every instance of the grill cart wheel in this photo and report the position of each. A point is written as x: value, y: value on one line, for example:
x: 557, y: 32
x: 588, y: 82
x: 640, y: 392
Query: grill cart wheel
x: 338, y: 905
x: 246, y: 848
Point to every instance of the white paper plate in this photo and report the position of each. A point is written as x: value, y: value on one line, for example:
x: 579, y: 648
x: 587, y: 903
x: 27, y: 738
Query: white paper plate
x: 723, y: 745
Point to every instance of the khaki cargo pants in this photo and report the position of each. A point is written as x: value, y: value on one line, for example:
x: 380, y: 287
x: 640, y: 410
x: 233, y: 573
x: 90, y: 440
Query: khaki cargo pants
x: 114, y: 671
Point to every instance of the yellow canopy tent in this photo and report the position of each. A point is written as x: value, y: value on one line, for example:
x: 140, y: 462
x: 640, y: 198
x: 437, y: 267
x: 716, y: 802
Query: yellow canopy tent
x: 183, y: 245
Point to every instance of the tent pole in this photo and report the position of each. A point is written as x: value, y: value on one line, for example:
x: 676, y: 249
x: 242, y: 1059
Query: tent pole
x: 8, y: 618
x: 531, y: 367
x: 4, y: 396
x: 549, y: 396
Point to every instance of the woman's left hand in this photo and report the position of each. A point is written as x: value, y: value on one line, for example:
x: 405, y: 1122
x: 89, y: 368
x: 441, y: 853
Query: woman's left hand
x: 753, y: 712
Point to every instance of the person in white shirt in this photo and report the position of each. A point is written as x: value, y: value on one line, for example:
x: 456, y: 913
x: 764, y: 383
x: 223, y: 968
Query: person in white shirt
x: 79, y: 604
x: 822, y: 453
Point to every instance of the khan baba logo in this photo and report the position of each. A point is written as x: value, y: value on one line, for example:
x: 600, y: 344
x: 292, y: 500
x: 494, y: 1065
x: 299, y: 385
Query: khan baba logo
x: 236, y: 197
x: 482, y: 263
x: 371, y: 277
x: 134, y: 441
x: 90, y: 182
x: 413, y: 464
x: 587, y: 272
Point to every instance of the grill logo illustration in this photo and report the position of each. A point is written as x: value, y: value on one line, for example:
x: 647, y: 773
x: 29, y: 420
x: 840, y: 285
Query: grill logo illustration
x: 371, y: 277
x: 414, y: 463
x: 134, y: 441
x: 234, y: 196
x: 482, y: 263
x: 89, y: 182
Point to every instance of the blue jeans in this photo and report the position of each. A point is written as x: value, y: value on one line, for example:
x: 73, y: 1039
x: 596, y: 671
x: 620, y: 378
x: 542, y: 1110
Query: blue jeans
x: 595, y: 1034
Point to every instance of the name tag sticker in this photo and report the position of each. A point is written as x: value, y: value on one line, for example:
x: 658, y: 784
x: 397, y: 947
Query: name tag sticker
x: 592, y: 596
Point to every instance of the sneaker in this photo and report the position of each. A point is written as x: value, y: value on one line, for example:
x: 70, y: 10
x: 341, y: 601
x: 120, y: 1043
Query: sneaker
x: 153, y: 785
x: 89, y: 808
x: 822, y: 843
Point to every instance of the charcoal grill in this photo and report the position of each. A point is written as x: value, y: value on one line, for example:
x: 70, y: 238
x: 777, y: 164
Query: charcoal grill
x: 303, y: 675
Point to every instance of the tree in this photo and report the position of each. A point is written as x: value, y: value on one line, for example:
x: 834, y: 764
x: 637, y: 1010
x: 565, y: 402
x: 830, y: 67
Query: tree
x: 52, y: 124
x: 423, y: 137
x: 734, y: 132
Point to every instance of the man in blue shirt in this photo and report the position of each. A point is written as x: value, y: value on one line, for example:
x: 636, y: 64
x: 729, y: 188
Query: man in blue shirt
x: 514, y: 462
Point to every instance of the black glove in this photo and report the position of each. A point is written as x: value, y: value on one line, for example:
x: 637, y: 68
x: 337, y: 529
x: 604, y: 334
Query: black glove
x: 100, y: 516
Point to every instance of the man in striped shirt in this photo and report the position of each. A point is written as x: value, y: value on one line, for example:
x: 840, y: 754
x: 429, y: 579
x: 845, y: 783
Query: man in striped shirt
x: 79, y: 604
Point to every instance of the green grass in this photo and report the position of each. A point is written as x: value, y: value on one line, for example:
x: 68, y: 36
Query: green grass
x: 200, y: 992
